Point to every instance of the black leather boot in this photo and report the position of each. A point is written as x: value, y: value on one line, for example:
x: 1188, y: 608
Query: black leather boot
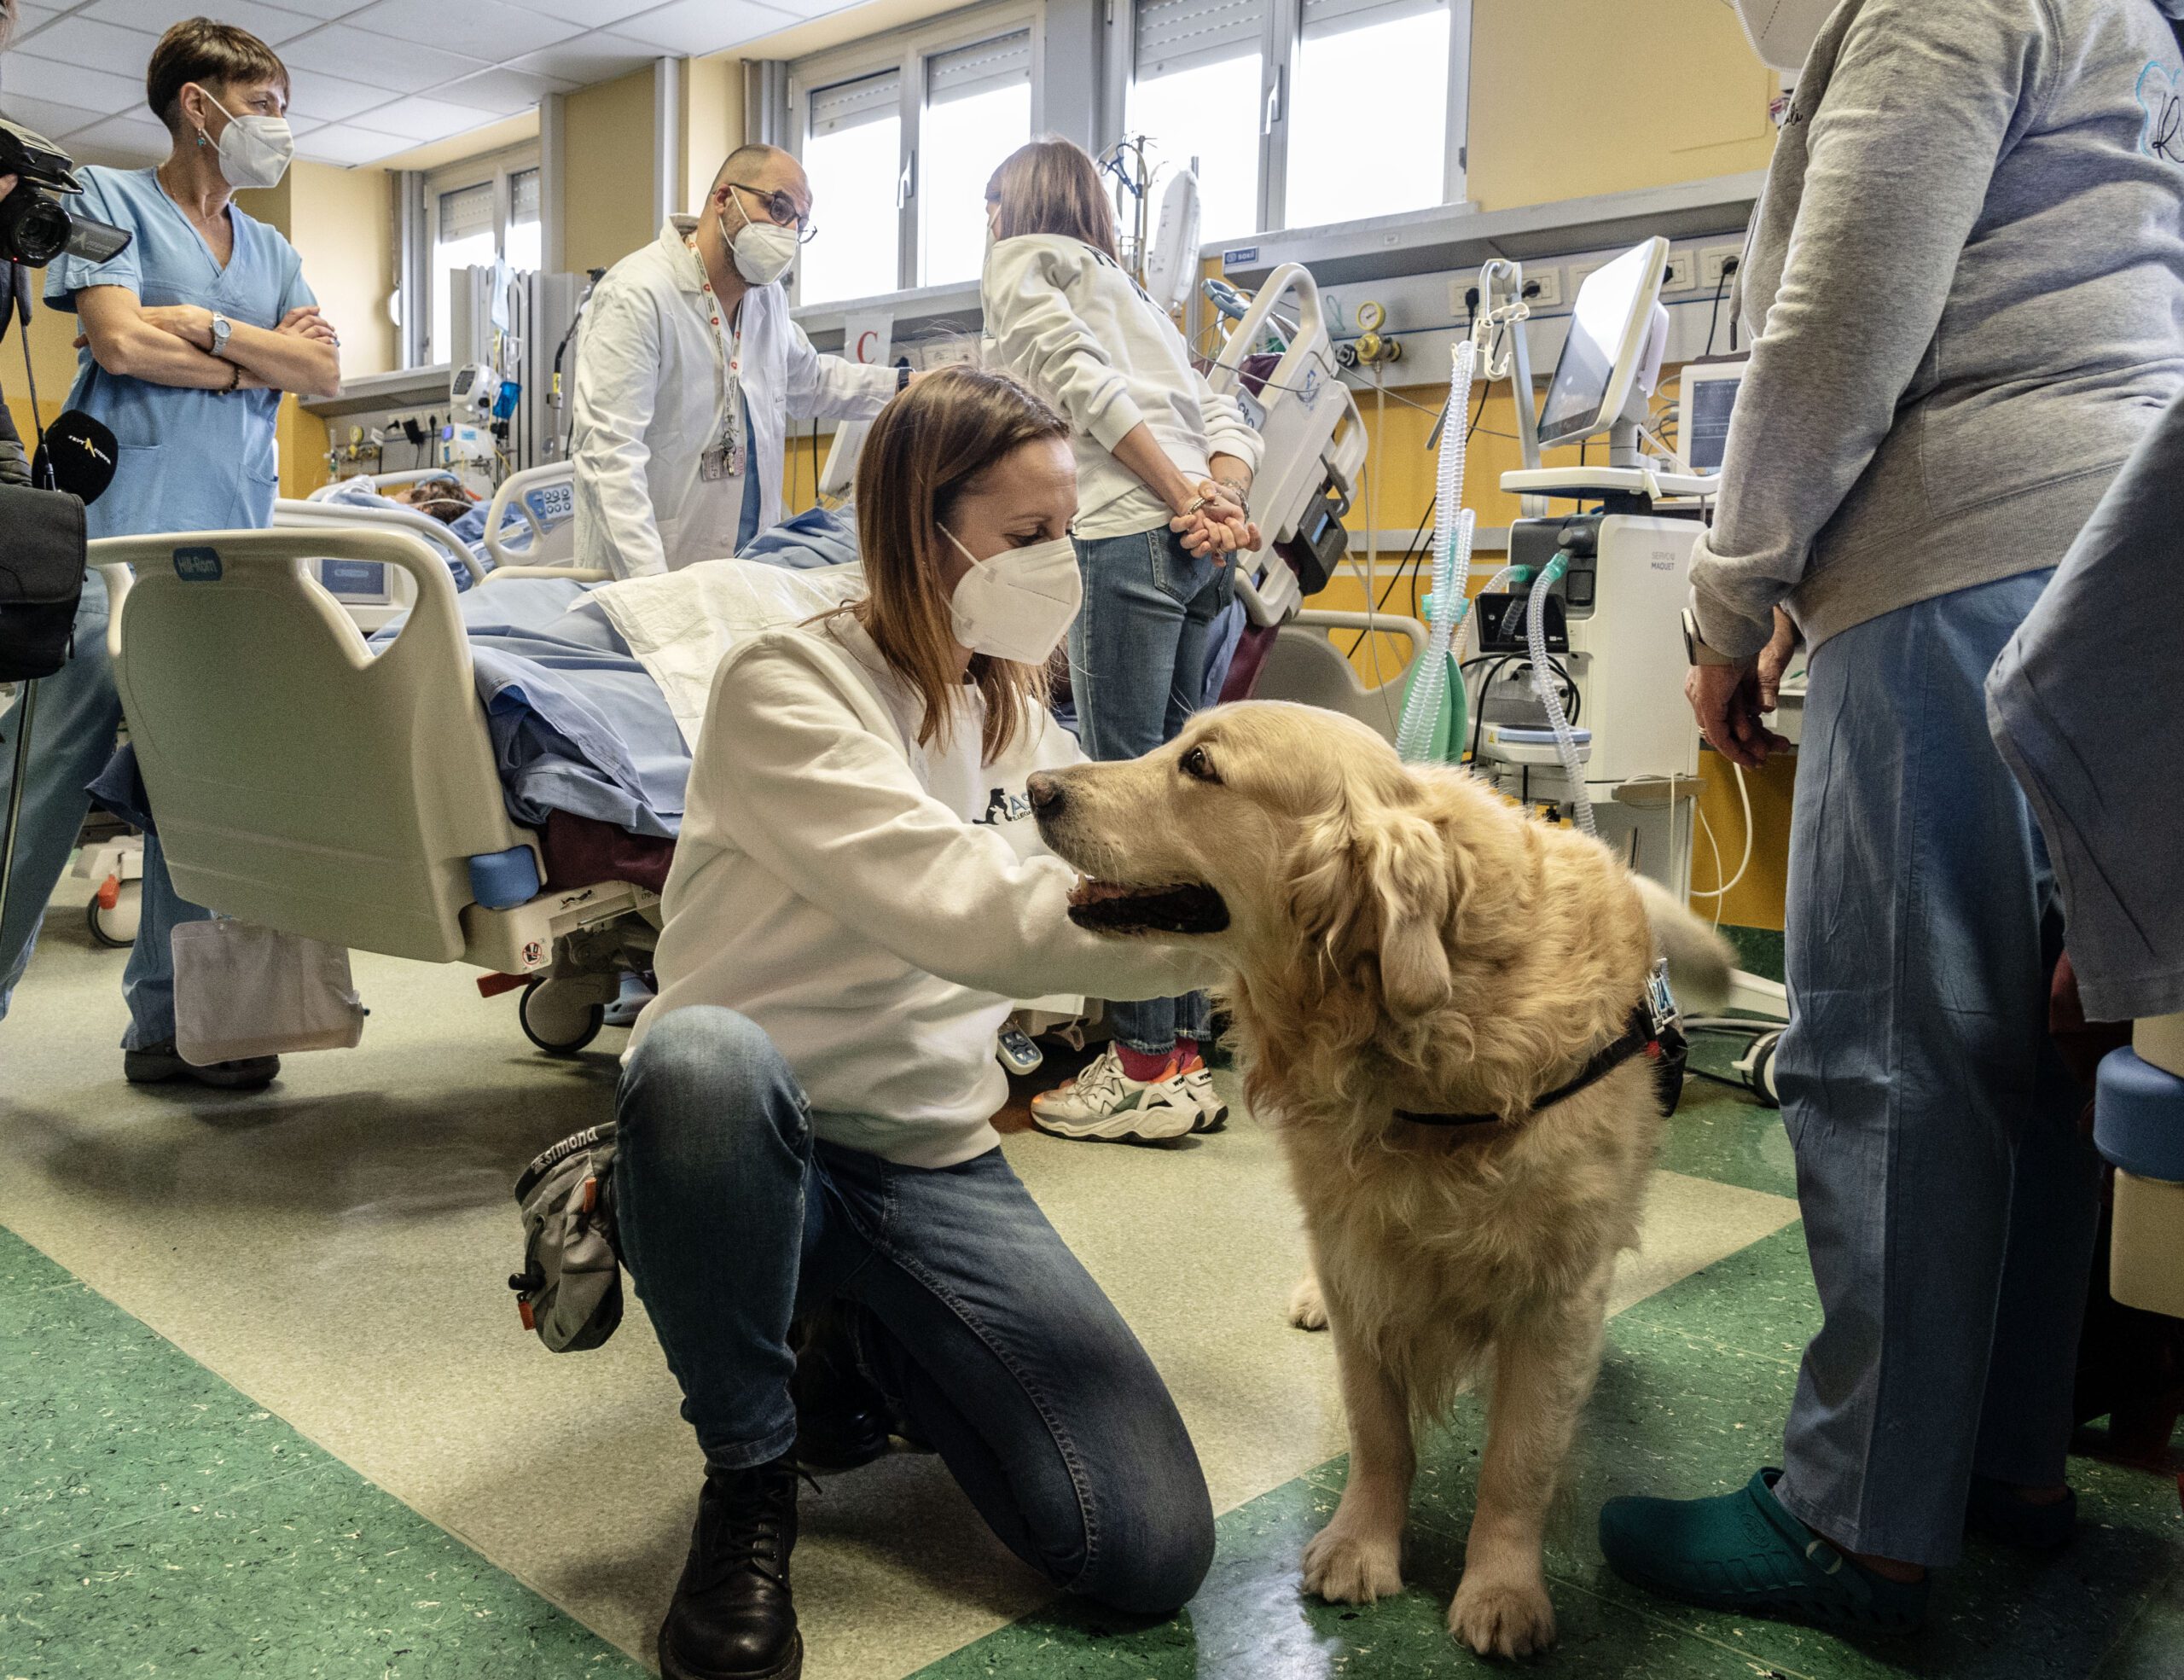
x: 733, y: 1618
x: 842, y: 1419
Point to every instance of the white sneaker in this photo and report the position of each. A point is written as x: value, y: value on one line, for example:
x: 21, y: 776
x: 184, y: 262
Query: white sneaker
x: 1212, y: 1112
x: 1104, y: 1104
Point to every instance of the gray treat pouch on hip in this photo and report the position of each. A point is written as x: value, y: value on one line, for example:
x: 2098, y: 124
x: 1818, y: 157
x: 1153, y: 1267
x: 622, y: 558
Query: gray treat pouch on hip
x: 570, y: 1288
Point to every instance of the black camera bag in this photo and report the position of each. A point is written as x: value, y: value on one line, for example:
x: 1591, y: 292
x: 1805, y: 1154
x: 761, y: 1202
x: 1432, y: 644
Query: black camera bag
x: 42, y: 553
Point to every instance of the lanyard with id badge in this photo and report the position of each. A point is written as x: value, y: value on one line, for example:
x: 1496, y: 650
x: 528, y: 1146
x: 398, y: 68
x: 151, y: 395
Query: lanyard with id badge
x: 727, y: 458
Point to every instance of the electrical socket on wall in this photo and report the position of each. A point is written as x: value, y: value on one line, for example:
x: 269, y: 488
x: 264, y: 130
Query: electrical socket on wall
x: 1714, y: 260
x: 1580, y: 273
x: 1682, y: 272
x: 1543, y: 287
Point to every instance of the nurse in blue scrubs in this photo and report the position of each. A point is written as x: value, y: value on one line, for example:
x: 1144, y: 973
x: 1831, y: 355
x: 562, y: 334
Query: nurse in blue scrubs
x: 189, y: 337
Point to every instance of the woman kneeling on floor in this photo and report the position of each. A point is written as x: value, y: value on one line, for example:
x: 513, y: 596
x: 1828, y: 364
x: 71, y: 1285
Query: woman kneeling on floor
x: 804, y: 1115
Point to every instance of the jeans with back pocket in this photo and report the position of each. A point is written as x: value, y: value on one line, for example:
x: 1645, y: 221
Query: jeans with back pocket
x: 1137, y: 670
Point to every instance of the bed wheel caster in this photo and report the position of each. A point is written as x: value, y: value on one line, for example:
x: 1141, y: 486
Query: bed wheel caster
x: 560, y: 1016
x: 113, y: 913
x: 1758, y: 1069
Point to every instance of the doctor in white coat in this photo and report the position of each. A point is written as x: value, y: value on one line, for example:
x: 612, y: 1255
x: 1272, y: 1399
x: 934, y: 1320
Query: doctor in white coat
x: 690, y: 371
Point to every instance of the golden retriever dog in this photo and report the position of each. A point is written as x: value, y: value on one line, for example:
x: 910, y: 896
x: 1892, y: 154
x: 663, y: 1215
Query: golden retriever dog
x: 1404, y: 942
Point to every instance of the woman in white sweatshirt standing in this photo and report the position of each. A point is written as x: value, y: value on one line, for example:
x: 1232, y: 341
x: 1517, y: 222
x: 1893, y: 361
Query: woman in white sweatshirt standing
x: 1163, y: 473
x: 804, y: 1116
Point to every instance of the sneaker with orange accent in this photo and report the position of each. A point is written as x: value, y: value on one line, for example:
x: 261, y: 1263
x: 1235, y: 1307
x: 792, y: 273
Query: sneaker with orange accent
x: 1103, y: 1104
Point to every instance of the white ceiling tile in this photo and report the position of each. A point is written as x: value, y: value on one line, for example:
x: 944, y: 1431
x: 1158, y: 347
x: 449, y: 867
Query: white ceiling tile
x: 271, y: 24
x: 592, y: 14
x: 424, y: 119
x: 483, y: 28
x: 334, y: 99
x: 43, y: 116
x: 100, y: 90
x: 359, y: 55
x: 695, y: 26
x: 340, y: 143
x: 99, y: 46
x: 122, y: 139
x: 588, y: 59
x: 29, y: 17
x: 502, y: 93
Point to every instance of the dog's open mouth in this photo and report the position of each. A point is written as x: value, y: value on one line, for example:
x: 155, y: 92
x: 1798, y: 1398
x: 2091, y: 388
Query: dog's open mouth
x: 1181, y: 907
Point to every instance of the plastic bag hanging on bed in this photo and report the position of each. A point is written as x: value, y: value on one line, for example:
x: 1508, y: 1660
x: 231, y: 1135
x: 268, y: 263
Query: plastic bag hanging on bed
x: 242, y: 991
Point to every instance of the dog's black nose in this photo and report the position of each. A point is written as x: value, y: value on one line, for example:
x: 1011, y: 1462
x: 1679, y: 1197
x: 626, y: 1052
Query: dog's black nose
x: 1046, y: 794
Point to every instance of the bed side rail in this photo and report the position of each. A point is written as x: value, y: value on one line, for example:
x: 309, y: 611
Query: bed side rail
x: 298, y: 780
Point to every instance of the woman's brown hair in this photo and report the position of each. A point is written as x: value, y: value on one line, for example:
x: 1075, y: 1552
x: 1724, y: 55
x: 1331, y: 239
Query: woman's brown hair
x: 1053, y: 187
x: 213, y: 55
x: 927, y: 447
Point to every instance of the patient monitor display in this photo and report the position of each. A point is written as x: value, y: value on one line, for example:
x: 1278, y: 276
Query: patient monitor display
x: 1618, y: 332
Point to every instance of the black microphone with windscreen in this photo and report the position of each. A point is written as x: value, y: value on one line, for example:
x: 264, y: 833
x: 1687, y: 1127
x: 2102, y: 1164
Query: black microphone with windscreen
x: 78, y: 455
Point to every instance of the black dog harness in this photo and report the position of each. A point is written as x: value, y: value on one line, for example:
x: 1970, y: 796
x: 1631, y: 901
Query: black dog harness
x: 1653, y: 1033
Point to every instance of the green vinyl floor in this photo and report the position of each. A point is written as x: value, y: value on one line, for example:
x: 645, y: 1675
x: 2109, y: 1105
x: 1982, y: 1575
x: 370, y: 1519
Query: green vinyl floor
x: 156, y: 1520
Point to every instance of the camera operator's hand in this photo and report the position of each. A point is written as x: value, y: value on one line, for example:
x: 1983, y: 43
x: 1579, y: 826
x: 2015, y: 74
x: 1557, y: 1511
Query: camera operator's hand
x: 6, y: 185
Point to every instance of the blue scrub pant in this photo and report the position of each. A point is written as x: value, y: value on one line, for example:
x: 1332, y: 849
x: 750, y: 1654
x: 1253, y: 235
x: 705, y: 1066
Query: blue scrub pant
x: 1949, y: 1202
x: 1137, y: 673
x: 973, y: 1315
x: 79, y: 710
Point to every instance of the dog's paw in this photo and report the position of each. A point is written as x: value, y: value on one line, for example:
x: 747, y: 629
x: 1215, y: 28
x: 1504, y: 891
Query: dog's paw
x: 1345, y: 1567
x: 1502, y: 1617
x: 1308, y: 1307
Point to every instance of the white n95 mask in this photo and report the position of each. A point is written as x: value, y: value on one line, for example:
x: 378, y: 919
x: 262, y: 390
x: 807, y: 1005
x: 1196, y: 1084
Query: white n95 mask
x: 1782, y: 31
x: 1019, y: 605
x: 762, y: 251
x: 254, y: 151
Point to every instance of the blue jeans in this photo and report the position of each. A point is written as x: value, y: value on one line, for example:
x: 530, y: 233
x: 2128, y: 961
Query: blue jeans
x: 79, y: 710
x: 1136, y: 671
x: 976, y: 1319
x: 1950, y: 1203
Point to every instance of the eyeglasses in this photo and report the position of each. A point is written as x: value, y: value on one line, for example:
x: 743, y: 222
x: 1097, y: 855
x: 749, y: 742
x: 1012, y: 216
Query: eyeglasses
x: 781, y: 209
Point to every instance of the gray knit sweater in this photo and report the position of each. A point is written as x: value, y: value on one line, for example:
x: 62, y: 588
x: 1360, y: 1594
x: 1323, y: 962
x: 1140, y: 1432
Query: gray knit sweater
x: 1966, y: 282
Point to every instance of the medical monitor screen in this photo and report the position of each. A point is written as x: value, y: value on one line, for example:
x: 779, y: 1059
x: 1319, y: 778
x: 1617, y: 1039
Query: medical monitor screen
x: 1603, y: 334
x: 1706, y: 418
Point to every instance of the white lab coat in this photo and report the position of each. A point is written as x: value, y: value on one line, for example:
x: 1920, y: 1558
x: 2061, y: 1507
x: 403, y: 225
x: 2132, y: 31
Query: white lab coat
x: 651, y: 398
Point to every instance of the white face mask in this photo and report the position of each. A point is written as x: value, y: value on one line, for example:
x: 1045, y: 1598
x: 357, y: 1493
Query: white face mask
x: 762, y: 250
x: 1019, y: 605
x: 254, y: 151
x: 1782, y: 31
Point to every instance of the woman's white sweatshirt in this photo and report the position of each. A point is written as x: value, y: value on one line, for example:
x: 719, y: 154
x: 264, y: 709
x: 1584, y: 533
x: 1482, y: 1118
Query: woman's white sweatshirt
x: 855, y: 896
x: 1066, y: 319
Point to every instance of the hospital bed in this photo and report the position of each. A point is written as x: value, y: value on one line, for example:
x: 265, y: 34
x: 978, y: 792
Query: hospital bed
x: 307, y: 784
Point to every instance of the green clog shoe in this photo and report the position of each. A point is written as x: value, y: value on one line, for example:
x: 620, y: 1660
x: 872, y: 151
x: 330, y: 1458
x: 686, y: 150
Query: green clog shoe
x: 1743, y: 1553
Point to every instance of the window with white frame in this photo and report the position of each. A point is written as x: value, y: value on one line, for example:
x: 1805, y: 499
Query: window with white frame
x: 1269, y: 99
x: 476, y: 212
x: 898, y: 136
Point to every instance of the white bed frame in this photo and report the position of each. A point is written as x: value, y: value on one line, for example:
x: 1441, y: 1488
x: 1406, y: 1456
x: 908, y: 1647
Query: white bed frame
x: 305, y: 784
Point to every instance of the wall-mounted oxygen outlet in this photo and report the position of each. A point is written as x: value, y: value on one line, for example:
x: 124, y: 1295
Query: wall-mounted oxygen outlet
x: 1715, y: 261
x: 1681, y: 273
x: 1544, y: 288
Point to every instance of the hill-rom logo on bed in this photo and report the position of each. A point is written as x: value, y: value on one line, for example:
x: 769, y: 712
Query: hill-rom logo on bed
x: 197, y: 566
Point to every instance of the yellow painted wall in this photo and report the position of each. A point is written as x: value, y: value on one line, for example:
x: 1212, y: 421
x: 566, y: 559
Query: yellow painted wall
x: 606, y: 156
x: 713, y: 122
x: 1665, y: 90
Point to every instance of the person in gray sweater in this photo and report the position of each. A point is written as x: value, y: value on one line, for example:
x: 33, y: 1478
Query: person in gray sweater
x: 1966, y: 282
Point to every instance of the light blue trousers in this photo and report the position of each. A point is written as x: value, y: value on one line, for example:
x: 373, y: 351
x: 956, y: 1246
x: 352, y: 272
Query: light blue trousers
x: 79, y: 710
x: 1950, y: 1203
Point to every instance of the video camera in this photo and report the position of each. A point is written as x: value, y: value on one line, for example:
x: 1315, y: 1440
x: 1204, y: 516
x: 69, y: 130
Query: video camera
x: 35, y: 226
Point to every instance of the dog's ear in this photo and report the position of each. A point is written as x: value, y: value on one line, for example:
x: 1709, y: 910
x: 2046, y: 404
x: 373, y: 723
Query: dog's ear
x: 1376, y: 883
x: 1408, y: 868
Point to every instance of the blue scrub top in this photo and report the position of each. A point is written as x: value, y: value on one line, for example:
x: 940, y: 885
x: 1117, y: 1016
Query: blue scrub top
x: 189, y: 460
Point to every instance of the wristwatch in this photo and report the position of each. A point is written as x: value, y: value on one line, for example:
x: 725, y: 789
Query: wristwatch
x: 1696, y: 652
x: 223, y: 328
